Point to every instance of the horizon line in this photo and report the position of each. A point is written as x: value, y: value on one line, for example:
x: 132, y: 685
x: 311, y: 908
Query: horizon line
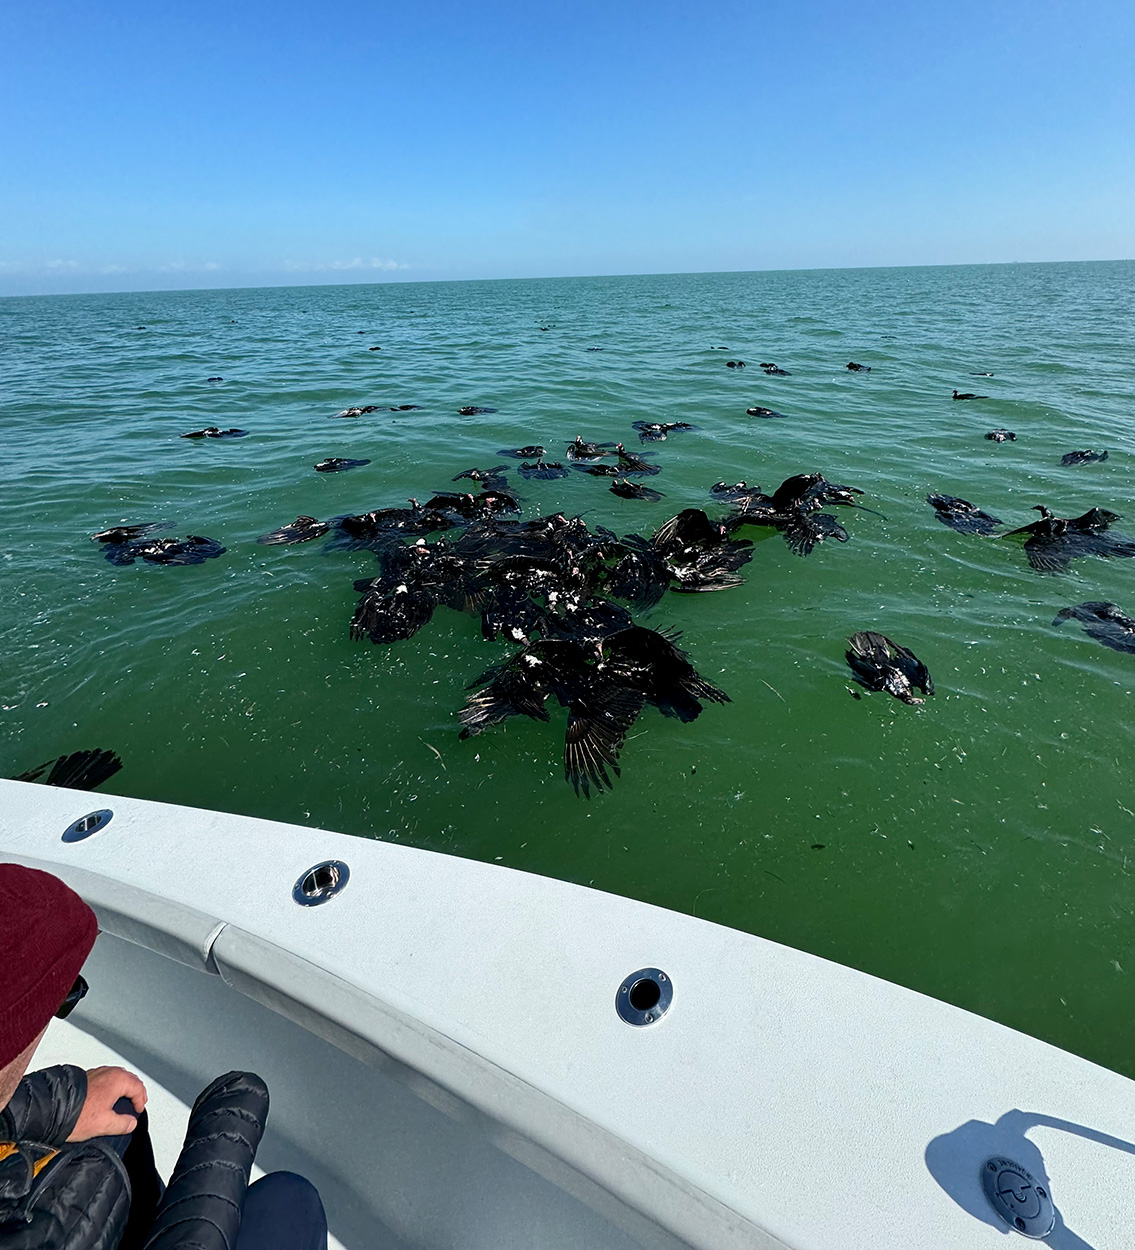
x: 674, y: 273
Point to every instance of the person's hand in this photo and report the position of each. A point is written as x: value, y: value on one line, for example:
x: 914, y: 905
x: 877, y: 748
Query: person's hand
x: 105, y: 1086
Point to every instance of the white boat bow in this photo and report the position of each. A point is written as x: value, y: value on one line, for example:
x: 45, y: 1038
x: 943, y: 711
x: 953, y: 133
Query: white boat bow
x: 447, y: 1063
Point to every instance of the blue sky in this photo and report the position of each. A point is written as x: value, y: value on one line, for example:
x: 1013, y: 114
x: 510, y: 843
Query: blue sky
x: 173, y: 144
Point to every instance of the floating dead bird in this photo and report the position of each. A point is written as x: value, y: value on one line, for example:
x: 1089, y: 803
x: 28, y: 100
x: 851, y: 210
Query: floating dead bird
x: 604, y: 687
x: 126, y: 533
x: 592, y: 620
x: 1105, y: 622
x: 512, y: 613
x: 599, y: 470
x: 652, y: 663
x: 880, y: 664
x: 656, y: 431
x: 337, y: 464
x: 600, y: 712
x: 365, y: 529
x: 775, y: 371
x: 967, y: 395
x: 699, y: 552
x: 854, y: 368
x: 1054, y: 542
x: 1083, y: 457
x: 577, y: 449
x: 961, y: 515
x: 593, y: 349
x: 214, y: 379
x: 804, y: 531
x: 490, y: 479
x: 544, y: 472
x: 734, y: 364
x: 810, y: 491
x: 81, y: 770
x: 634, y: 490
x: 390, y: 613
x: 981, y: 375
x: 641, y: 575
x: 757, y: 411
x: 367, y: 409
x: 472, y: 507
x: 793, y: 509
x: 531, y: 452
x: 689, y: 528
x: 302, y: 530
x: 1094, y: 521
x: 193, y: 549
x: 471, y: 410
x: 415, y: 580
x: 212, y: 431
x: 1001, y: 436
x: 631, y: 465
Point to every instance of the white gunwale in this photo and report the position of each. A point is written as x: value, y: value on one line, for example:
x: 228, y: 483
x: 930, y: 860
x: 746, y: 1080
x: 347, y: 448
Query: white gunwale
x: 783, y: 1100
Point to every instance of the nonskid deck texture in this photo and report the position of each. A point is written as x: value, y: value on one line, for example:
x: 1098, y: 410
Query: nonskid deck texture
x: 448, y: 1065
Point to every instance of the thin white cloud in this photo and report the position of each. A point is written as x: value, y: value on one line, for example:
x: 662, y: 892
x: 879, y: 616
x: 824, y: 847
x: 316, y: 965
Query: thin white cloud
x: 181, y: 266
x: 354, y: 264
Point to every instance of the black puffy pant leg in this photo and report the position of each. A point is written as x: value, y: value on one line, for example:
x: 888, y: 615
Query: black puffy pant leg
x: 203, y: 1201
x: 282, y: 1211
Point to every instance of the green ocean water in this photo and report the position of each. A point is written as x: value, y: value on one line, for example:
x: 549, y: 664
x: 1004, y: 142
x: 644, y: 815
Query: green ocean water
x: 980, y: 848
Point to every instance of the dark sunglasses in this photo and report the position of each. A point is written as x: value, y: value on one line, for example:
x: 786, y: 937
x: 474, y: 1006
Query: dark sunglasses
x: 75, y: 995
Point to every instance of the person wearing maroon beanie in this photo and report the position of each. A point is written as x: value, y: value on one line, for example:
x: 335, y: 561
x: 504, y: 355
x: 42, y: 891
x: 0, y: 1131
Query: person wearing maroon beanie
x: 76, y: 1167
x: 46, y: 934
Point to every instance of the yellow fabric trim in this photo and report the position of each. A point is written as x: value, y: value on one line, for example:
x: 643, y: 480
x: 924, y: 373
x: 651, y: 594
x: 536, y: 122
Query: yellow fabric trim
x: 40, y: 1164
x: 8, y: 1148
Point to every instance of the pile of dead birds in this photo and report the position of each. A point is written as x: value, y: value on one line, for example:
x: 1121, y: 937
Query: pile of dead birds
x: 565, y: 593
x: 560, y: 590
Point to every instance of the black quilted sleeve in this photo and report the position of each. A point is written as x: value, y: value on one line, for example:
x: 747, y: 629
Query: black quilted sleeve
x: 46, y: 1106
x: 201, y: 1207
x: 80, y: 1201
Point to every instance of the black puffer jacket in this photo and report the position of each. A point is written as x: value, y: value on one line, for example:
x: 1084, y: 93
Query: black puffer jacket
x: 81, y: 1199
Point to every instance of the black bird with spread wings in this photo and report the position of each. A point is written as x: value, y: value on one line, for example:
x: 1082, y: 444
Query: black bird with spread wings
x: 1105, y: 622
x: 793, y: 509
x: 1054, y: 542
x: 603, y: 685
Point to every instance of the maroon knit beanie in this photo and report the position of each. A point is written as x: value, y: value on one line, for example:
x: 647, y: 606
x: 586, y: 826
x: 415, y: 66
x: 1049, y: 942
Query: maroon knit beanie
x: 46, y: 934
